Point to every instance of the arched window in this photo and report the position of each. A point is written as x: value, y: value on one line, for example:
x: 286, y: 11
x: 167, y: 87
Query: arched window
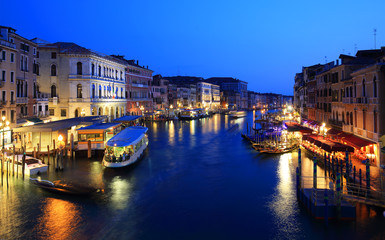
x: 121, y: 92
x: 93, y: 69
x: 343, y: 117
x: 100, y: 91
x: 116, y: 92
x: 53, y: 91
x: 351, y: 118
x: 76, y: 113
x: 93, y: 90
x: 53, y: 70
x: 79, y: 67
x: 363, y: 88
x: 104, y: 89
x: 375, y: 121
x: 79, y: 91
x: 100, y: 71
x: 374, y: 87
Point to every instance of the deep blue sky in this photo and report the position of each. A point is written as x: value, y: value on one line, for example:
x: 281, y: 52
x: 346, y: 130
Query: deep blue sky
x: 262, y: 42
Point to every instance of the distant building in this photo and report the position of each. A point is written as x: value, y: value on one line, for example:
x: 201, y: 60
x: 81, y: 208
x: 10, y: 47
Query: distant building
x: 160, y: 92
x: 139, y: 78
x: 81, y: 82
x: 234, y: 91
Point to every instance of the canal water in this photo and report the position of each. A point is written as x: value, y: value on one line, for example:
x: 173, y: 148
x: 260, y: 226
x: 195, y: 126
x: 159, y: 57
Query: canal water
x: 197, y: 180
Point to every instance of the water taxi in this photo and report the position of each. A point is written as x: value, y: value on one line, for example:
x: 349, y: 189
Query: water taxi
x: 237, y: 114
x: 188, y: 114
x: 126, y: 147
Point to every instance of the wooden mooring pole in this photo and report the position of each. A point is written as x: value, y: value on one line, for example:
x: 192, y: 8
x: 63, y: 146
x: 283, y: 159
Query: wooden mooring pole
x: 13, y: 161
x: 48, y: 154
x: 89, y: 149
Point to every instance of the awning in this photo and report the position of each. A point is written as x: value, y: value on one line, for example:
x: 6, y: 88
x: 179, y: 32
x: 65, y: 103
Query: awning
x: 327, y: 145
x: 295, y: 127
x: 355, y: 141
x: 128, y: 136
x: 127, y: 118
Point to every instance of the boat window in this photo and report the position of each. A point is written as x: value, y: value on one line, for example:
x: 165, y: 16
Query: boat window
x: 91, y: 137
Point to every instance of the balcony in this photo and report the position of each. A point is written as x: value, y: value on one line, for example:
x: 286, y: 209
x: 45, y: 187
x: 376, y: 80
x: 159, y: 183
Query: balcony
x: 94, y: 77
x: 1, y: 83
x: 362, y: 100
x: 139, y: 85
x: 3, y: 103
x: 21, y: 100
x: 7, y: 44
x: 108, y: 99
x: 348, y: 100
x: 54, y: 100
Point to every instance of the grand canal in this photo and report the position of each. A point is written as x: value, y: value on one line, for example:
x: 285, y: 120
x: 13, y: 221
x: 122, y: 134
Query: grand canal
x: 197, y: 180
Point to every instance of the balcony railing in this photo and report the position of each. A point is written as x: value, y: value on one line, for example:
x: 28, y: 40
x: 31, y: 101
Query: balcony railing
x: 95, y: 77
x: 21, y: 100
x: 140, y: 85
x: 3, y: 102
x: 7, y: 44
x: 348, y: 100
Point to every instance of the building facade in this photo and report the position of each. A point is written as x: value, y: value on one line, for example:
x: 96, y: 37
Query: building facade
x: 81, y: 82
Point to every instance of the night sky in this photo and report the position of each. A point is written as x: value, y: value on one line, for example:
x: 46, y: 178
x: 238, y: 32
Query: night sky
x: 262, y: 42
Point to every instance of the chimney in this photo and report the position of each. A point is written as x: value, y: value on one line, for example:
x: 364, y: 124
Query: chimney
x: 137, y: 62
x: 337, y: 62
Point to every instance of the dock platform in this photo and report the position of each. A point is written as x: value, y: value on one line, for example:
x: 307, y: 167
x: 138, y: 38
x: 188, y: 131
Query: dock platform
x: 314, y: 202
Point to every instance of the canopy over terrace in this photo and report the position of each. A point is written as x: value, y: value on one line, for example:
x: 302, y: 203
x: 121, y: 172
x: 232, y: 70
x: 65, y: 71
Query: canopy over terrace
x: 44, y: 133
x: 328, y: 145
x: 128, y: 120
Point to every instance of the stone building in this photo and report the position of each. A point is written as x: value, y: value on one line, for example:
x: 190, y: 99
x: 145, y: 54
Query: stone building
x: 80, y: 81
x: 21, y: 100
x: 234, y: 91
x: 160, y: 92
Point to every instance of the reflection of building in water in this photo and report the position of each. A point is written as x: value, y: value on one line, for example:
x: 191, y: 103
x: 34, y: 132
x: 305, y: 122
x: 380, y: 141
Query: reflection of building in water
x: 60, y: 220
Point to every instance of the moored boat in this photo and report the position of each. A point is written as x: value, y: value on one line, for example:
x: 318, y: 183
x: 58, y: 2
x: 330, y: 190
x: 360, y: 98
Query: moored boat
x: 188, y: 114
x: 32, y: 165
x: 126, y: 147
x: 64, y: 187
x: 237, y: 114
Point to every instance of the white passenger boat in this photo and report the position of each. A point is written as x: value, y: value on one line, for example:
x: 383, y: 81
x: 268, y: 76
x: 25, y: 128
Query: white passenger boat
x: 237, y: 114
x: 126, y: 147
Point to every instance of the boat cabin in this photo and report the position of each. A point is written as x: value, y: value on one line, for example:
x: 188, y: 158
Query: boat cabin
x: 98, y: 134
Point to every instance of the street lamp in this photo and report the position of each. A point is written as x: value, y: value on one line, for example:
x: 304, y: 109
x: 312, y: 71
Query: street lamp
x: 3, y: 124
x: 60, y: 142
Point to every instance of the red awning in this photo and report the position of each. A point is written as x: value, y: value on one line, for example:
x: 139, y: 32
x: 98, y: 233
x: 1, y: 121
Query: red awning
x: 295, y: 127
x: 355, y: 141
x: 327, y: 145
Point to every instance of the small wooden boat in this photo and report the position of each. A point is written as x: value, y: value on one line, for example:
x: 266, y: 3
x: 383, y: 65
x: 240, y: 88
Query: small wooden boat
x: 64, y: 187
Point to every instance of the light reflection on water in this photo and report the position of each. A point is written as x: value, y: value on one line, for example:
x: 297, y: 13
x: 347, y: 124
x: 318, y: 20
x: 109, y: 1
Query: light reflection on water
x: 284, y: 200
x: 120, y: 192
x: 60, y: 219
